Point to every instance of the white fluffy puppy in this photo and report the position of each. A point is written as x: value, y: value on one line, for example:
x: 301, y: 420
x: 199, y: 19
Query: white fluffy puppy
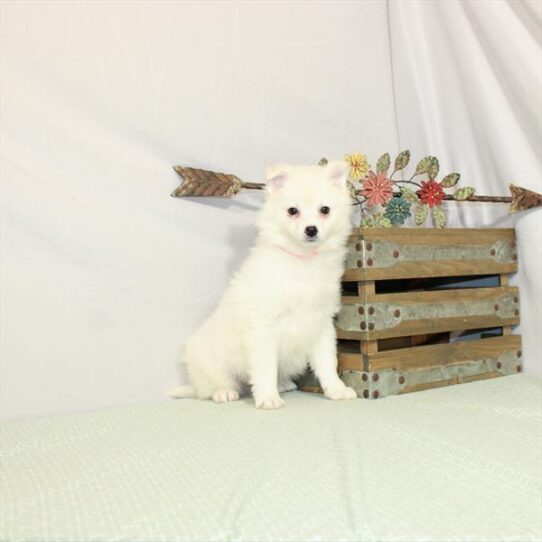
x: 276, y: 314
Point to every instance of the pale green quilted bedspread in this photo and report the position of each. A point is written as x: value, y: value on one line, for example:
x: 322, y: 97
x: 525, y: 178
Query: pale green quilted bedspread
x: 460, y: 463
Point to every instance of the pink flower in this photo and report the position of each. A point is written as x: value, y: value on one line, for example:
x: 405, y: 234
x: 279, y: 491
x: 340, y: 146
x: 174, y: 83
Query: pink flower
x: 377, y: 188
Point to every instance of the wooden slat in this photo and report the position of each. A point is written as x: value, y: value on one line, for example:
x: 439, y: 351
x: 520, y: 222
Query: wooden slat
x: 429, y: 385
x: 436, y: 268
x: 429, y: 356
x: 443, y: 354
x: 481, y: 376
x: 311, y: 389
x: 363, y: 266
x: 434, y: 296
x: 504, y: 280
x: 424, y: 326
x: 413, y: 301
x: 366, y: 290
x: 351, y: 362
x: 423, y: 236
x: 449, y: 382
x: 369, y: 347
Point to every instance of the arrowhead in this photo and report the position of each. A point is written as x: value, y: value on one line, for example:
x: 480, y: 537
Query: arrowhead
x: 523, y: 199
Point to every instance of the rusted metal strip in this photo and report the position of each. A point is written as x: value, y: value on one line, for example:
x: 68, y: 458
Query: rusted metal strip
x: 395, y: 381
x: 410, y: 310
x: 385, y: 254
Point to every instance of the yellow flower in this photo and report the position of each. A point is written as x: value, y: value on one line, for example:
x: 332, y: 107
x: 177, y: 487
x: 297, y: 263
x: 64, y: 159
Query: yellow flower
x: 359, y: 166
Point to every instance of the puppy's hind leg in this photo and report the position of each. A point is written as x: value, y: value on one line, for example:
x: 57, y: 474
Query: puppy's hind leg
x: 214, y: 380
x: 182, y: 392
x: 210, y: 371
x: 225, y: 395
x: 291, y: 365
x: 287, y: 385
x: 216, y: 384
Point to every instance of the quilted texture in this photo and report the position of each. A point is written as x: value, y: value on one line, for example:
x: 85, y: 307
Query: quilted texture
x: 461, y: 463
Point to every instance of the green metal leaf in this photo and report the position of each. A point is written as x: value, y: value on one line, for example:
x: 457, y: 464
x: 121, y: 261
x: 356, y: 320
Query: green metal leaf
x: 450, y: 180
x: 366, y: 222
x: 402, y: 160
x: 381, y: 221
x: 464, y: 193
x: 421, y: 214
x: 434, y: 167
x: 409, y: 195
x: 428, y: 165
x: 423, y: 165
x: 439, y: 217
x: 351, y: 190
x: 383, y: 163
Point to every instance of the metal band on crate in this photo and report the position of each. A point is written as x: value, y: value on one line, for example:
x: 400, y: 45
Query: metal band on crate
x: 390, y: 315
x: 393, y: 382
x: 387, y: 254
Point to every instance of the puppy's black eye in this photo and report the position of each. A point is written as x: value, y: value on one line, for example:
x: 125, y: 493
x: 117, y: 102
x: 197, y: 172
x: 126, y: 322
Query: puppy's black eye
x: 292, y: 211
x: 325, y: 210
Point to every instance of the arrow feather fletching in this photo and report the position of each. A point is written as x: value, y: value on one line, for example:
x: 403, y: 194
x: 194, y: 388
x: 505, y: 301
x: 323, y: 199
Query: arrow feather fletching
x: 202, y: 182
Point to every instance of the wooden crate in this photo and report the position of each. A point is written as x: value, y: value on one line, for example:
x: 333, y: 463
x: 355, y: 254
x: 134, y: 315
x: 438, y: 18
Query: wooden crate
x: 409, y: 305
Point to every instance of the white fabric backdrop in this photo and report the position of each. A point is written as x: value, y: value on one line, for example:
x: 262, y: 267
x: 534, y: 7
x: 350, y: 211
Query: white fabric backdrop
x: 468, y: 88
x: 103, y: 275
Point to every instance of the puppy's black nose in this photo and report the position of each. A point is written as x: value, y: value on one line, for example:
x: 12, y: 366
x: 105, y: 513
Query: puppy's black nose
x: 311, y: 231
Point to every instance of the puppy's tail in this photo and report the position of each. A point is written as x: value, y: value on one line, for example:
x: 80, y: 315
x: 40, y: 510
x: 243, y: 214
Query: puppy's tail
x: 183, y: 392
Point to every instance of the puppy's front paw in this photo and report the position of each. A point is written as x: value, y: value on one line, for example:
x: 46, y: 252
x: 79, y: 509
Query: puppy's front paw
x: 340, y: 392
x: 269, y: 402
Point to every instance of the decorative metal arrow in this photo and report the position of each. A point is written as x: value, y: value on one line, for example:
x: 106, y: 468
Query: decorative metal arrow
x: 205, y: 183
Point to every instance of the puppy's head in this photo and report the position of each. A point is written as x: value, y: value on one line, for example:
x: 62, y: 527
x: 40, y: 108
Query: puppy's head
x: 307, y: 206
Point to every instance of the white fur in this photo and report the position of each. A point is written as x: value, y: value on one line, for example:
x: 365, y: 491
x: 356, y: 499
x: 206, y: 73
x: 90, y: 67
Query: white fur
x: 276, y: 314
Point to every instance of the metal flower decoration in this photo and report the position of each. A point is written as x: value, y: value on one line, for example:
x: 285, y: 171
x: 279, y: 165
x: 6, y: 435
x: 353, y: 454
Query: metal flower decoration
x: 385, y: 199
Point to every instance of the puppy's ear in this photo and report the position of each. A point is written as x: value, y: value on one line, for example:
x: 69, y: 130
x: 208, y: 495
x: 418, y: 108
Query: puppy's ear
x: 337, y: 172
x: 276, y: 175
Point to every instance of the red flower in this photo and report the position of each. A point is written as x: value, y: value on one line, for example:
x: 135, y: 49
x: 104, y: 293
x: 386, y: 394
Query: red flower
x: 431, y: 193
x: 377, y: 188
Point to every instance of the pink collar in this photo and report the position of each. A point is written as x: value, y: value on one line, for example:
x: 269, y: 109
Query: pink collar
x: 301, y: 256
